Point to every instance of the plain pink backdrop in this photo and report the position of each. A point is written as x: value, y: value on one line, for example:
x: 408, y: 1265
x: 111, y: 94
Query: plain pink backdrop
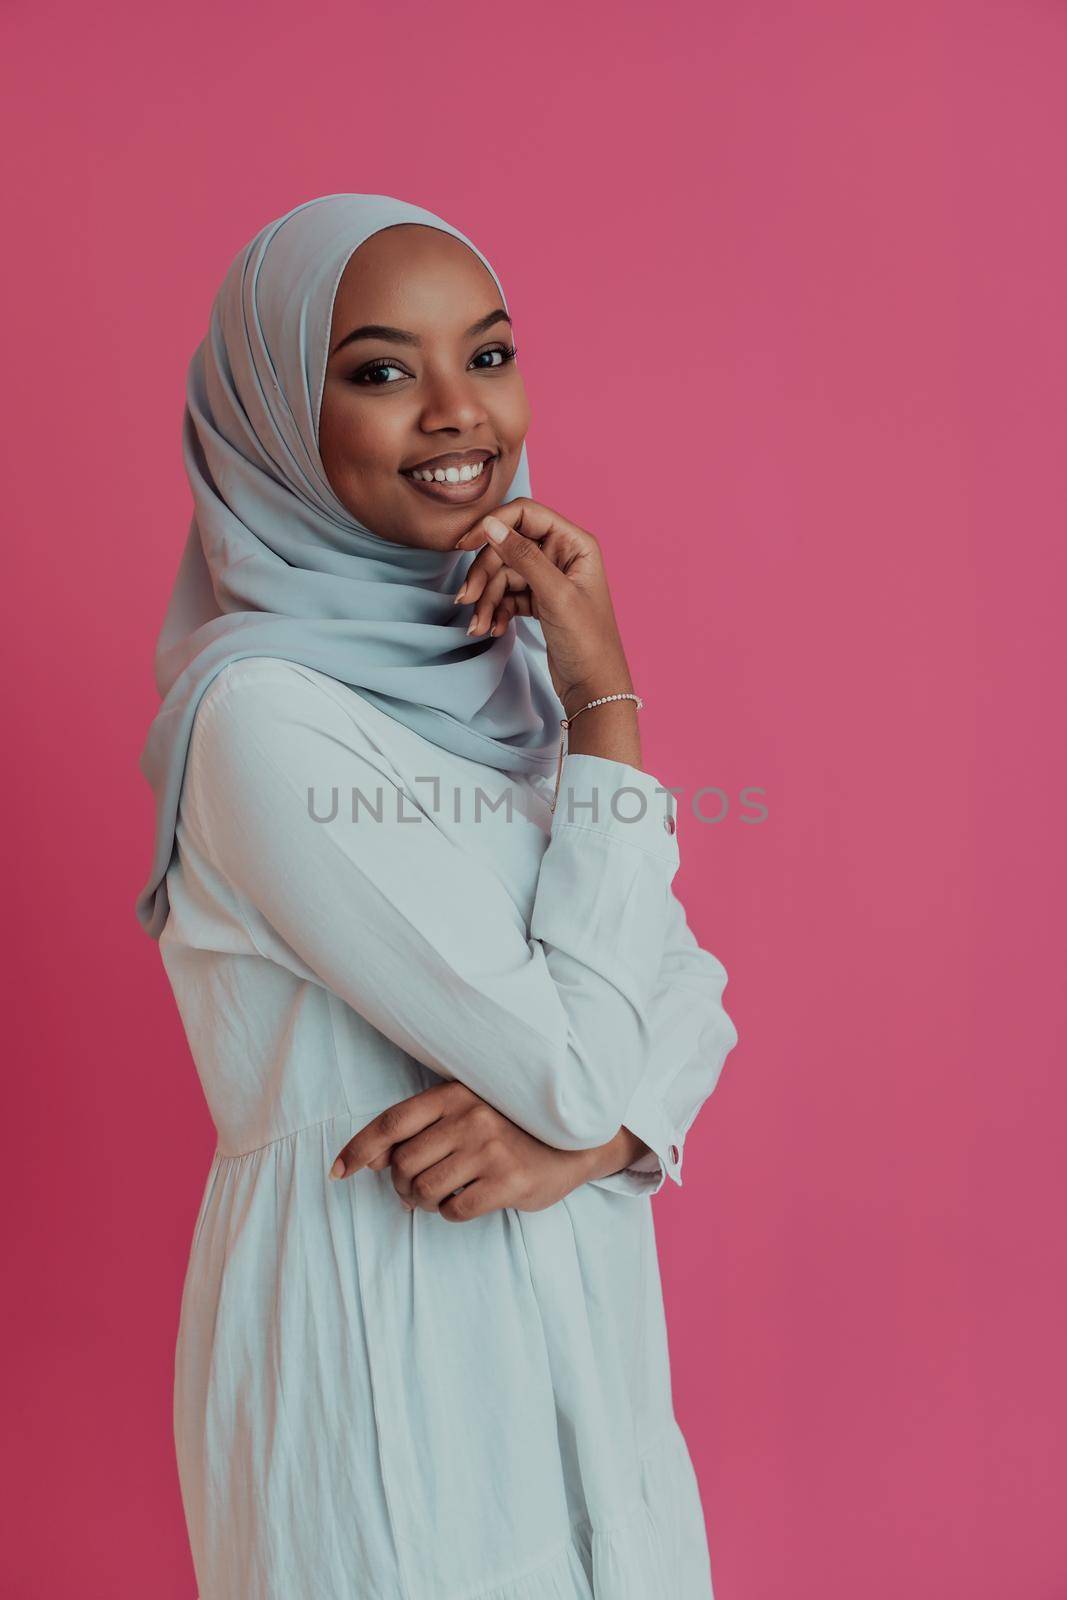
x: 788, y: 283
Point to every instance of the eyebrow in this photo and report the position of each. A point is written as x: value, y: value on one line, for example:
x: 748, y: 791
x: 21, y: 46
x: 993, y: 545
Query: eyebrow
x: 378, y: 330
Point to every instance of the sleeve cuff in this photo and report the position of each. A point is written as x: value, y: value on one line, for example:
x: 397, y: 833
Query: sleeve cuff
x: 646, y: 1117
x: 614, y: 798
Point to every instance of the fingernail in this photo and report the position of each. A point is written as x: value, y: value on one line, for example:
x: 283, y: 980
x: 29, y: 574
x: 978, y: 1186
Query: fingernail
x: 407, y: 1206
x: 472, y: 624
x: 496, y: 529
x: 459, y: 595
x: 338, y: 1169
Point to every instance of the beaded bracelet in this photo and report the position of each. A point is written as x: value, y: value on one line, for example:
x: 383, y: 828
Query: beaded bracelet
x: 565, y: 723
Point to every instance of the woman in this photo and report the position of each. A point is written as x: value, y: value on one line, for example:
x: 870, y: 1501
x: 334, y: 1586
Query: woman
x: 452, y: 1030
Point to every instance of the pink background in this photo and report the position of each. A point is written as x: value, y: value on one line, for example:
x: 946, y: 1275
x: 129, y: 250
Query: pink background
x: 788, y: 284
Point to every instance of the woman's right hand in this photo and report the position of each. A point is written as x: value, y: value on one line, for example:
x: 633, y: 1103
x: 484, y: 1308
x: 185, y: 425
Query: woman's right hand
x: 546, y: 567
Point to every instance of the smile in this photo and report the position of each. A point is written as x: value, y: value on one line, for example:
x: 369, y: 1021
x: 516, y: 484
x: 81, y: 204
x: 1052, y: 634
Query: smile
x: 457, y: 480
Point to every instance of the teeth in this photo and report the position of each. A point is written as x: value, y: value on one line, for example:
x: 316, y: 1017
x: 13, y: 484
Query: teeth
x: 449, y: 474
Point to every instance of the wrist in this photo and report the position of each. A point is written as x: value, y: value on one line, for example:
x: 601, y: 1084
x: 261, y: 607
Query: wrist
x: 610, y: 729
x: 606, y: 1159
x: 606, y: 682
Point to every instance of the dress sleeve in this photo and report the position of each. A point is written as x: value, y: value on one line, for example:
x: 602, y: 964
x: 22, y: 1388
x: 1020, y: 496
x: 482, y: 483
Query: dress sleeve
x: 692, y: 1035
x: 551, y: 1023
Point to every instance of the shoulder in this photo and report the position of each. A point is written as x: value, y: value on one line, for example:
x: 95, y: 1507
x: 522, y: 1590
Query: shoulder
x: 257, y: 681
x: 256, y: 690
x: 271, y: 739
x: 267, y: 711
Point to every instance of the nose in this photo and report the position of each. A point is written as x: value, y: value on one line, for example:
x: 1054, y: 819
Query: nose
x: 452, y: 404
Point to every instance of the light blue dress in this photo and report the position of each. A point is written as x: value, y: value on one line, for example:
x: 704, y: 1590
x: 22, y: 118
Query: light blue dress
x: 377, y: 1404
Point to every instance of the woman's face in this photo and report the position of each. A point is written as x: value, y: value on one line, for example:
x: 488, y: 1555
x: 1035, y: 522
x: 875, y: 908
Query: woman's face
x: 427, y: 383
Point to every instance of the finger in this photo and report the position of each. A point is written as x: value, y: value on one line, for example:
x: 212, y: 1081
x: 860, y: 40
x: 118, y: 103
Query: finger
x: 413, y: 1156
x: 486, y: 567
x: 481, y: 569
x: 528, y: 516
x: 389, y: 1127
x: 494, y: 591
x: 474, y: 1200
x: 524, y: 556
x: 502, y: 615
x: 440, y: 1181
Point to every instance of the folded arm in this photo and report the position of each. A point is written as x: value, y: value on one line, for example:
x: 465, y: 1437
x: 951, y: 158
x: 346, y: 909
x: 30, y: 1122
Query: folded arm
x: 554, y: 1024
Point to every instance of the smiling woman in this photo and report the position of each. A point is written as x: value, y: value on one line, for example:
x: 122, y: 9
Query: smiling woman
x: 422, y: 413
x: 450, y: 1052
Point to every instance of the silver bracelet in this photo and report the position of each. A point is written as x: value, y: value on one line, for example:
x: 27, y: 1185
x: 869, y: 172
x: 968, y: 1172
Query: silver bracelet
x: 565, y: 723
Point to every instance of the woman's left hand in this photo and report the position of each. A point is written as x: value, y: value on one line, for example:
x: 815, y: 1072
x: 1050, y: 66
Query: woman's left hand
x: 446, y: 1138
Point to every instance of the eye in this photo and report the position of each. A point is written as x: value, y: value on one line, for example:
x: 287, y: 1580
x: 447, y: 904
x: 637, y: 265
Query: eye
x: 506, y: 352
x: 363, y: 376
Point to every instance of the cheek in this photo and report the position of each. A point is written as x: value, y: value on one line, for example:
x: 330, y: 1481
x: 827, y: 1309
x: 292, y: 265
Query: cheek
x: 513, y: 417
x: 355, y: 437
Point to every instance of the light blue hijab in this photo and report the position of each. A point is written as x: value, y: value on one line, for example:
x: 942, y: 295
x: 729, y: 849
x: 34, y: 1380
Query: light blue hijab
x: 274, y: 564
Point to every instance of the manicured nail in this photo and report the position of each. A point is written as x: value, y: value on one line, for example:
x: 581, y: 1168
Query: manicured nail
x: 496, y: 529
x: 472, y: 625
x: 338, y: 1169
x: 458, y: 596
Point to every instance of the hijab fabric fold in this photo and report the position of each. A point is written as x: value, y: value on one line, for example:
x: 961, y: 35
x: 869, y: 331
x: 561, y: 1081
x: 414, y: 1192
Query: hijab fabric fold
x: 275, y: 565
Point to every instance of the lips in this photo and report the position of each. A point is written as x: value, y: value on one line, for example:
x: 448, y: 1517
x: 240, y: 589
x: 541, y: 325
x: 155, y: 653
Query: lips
x: 454, y: 458
x: 458, y: 493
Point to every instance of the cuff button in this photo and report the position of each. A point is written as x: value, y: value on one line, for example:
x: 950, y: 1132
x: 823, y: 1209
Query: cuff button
x: 672, y: 1152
